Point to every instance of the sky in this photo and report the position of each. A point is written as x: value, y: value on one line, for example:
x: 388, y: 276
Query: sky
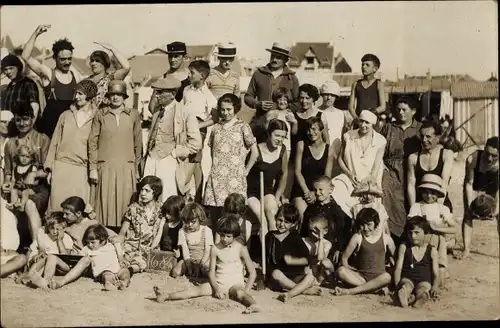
x: 453, y: 37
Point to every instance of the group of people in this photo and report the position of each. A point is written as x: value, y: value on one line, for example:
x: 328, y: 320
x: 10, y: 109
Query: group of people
x: 343, y: 199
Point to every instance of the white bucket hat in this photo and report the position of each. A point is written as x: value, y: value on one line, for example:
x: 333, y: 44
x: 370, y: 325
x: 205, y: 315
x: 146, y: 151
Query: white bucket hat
x: 330, y: 87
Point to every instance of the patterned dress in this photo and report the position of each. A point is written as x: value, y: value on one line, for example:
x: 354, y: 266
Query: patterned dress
x: 141, y: 233
x: 230, y: 143
x: 102, y: 89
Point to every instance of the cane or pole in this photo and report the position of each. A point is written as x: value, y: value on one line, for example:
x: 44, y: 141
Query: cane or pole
x: 262, y: 223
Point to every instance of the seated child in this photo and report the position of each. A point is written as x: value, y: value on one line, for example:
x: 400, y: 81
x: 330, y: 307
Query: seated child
x: 443, y: 225
x: 195, y: 240
x: 371, y: 245
x: 10, y: 260
x: 281, y: 98
x: 416, y: 274
x: 142, y: 224
x: 50, y: 239
x: 171, y: 210
x: 339, y: 223
x: 235, y: 203
x: 227, y: 261
x: 371, y: 198
x: 319, y: 248
x: 24, y: 165
x: 287, y: 257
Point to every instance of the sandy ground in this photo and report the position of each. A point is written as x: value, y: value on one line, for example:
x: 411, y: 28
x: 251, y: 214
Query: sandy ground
x: 472, y: 294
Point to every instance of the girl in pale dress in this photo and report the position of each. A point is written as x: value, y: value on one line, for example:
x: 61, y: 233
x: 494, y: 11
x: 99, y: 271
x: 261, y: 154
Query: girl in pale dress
x: 115, y: 151
x: 226, y: 277
x: 67, y: 159
x: 142, y: 225
x: 230, y: 141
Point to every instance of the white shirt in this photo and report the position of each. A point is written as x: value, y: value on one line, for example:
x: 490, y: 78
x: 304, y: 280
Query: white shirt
x: 102, y: 259
x: 434, y: 213
x: 193, y: 238
x: 335, y: 119
x: 199, y: 102
x: 43, y: 243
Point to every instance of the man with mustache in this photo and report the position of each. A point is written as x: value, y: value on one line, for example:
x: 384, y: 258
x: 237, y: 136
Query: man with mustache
x: 59, y: 83
x: 264, y: 82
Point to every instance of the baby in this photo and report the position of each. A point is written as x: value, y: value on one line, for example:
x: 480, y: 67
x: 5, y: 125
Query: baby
x: 24, y: 165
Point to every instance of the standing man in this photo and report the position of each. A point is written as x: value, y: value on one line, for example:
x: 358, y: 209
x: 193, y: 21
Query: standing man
x: 176, y: 52
x: 222, y: 79
x: 173, y: 137
x: 481, y: 177
x: 402, y: 140
x: 265, y: 81
x: 59, y: 83
x: 432, y: 159
x: 20, y: 89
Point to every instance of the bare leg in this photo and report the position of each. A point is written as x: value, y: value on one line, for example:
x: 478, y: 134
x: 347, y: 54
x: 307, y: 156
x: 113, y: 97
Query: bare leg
x: 293, y: 288
x: 179, y: 270
x: 378, y: 282
x: 271, y: 209
x: 350, y: 276
x: 254, y: 205
x: 73, y: 274
x: 40, y: 282
x: 192, y: 292
x: 422, y: 294
x: 53, y: 261
x: 466, y: 235
x: 238, y: 294
x: 25, y: 196
x: 301, y: 206
x: 124, y: 278
x: 14, y: 264
x: 14, y: 198
x: 35, y: 221
x: 109, y: 280
x: 404, y: 292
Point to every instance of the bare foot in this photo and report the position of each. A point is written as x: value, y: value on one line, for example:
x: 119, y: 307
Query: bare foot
x: 160, y: 296
x: 337, y: 291
x: 384, y: 291
x: 54, y: 284
x: 252, y: 309
x: 411, y: 299
x: 22, y: 279
x: 39, y: 281
x: 420, y: 301
x: 283, y: 297
x: 465, y: 254
x: 123, y: 284
x: 314, y: 291
x: 403, y: 297
x: 109, y: 286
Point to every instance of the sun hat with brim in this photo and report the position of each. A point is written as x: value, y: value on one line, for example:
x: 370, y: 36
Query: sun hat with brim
x: 166, y: 83
x: 281, y: 49
x: 330, y: 87
x: 226, y: 50
x: 432, y: 182
x: 368, y: 188
x: 117, y: 87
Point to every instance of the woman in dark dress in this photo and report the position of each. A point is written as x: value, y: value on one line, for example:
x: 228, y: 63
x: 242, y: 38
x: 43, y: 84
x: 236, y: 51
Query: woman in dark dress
x: 273, y: 161
x: 313, y: 158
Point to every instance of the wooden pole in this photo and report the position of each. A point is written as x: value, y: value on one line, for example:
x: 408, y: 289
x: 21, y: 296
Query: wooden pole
x: 262, y: 223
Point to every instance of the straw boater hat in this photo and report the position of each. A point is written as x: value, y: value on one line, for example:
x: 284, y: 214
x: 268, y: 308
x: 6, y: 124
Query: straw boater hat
x: 226, y: 50
x: 117, y: 87
x: 432, y: 182
x: 280, y: 49
x: 176, y: 48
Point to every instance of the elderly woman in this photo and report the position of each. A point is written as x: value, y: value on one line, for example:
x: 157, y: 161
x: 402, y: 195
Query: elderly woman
x: 273, y: 161
x: 100, y: 64
x: 313, y: 158
x: 67, y: 159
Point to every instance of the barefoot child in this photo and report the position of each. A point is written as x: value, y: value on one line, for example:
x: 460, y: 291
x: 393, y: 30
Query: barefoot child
x: 236, y: 204
x: 51, y: 239
x: 287, y: 257
x: 443, y: 225
x: 195, y: 240
x: 226, y: 279
x: 370, y: 196
x: 371, y: 245
x: 25, y: 165
x: 171, y: 211
x: 10, y: 260
x: 104, y: 259
x: 416, y: 275
x: 319, y: 249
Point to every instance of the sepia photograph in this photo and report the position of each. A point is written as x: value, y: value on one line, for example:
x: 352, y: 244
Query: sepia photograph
x: 249, y: 163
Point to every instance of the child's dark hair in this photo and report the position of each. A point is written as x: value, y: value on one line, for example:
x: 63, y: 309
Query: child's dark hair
x: 311, y: 91
x: 235, y: 203
x: 173, y: 206
x: 315, y: 120
x: 492, y: 142
x: 231, y: 99
x: 432, y: 124
x: 193, y: 212
x: 229, y: 224
x: 417, y: 221
x: 365, y: 216
x: 74, y: 204
x: 289, y: 213
x: 154, y: 182
x: 201, y: 66
x: 281, y: 92
x: 60, y: 45
x: 276, y: 124
x: 323, y: 178
x: 53, y: 219
x: 95, y: 232
x: 410, y: 101
x: 372, y: 58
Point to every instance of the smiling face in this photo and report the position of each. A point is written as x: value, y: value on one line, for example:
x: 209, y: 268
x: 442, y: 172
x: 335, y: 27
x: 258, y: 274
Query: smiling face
x: 96, y: 66
x: 283, y: 225
x: 314, y: 132
x: 429, y: 138
x: 116, y: 99
x: 429, y: 196
x: 11, y: 72
x: 226, y: 111
x: 365, y: 127
x: 277, y: 61
x: 282, y: 103
x: 368, y: 228
x: 306, y: 101
x: 24, y: 124
x: 322, y: 190
x: 276, y: 138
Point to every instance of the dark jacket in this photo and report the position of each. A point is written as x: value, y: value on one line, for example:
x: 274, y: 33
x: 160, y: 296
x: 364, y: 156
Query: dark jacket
x: 263, y: 83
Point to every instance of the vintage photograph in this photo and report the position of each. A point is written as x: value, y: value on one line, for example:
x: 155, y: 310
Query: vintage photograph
x: 234, y: 163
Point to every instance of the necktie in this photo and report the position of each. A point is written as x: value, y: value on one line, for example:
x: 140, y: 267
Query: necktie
x: 154, y: 132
